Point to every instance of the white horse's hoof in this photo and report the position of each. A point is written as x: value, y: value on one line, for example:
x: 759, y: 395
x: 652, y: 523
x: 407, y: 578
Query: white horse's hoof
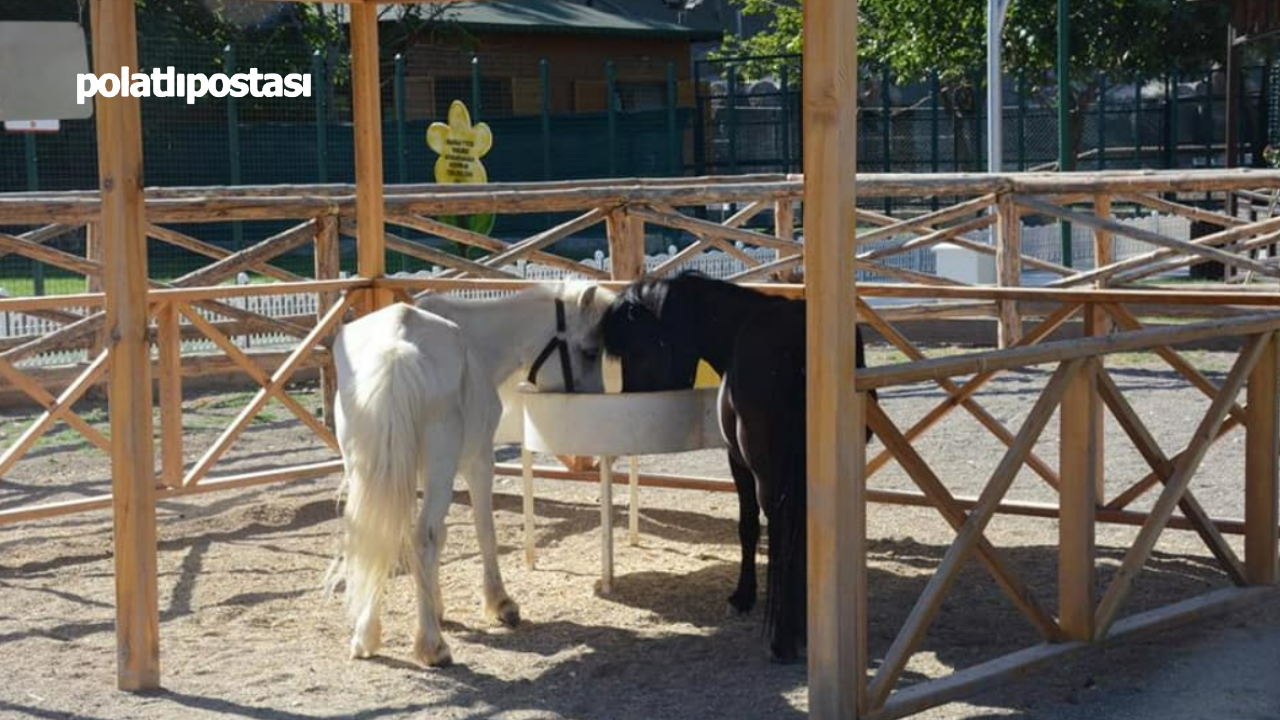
x: 362, y: 650
x: 505, y: 613
x: 438, y: 656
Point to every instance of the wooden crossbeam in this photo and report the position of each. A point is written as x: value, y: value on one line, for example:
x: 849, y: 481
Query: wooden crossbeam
x: 250, y: 257
x: 933, y: 238
x: 1183, y: 210
x: 1130, y: 276
x: 541, y: 240
x: 930, y: 601
x: 200, y: 247
x: 1122, y: 582
x: 1164, y: 468
x: 430, y: 254
x: 1140, y: 488
x: 1126, y: 319
x: 923, y: 476
x: 1182, y: 246
x: 43, y: 235
x: 49, y: 256
x: 681, y: 221
x: 1224, y: 237
x: 58, y: 409
x: 259, y: 376
x: 467, y: 237
x: 765, y: 269
x: 708, y: 240
x: 1042, y: 330
x: 1017, y: 357
x: 994, y: 426
x: 929, y: 221
x: 277, y: 380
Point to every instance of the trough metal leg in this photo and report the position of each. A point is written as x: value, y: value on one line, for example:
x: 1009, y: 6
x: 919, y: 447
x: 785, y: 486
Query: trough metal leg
x: 606, y: 524
x: 526, y: 477
x: 633, y: 504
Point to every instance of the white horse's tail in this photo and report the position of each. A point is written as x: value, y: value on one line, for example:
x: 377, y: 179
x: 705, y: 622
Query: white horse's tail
x: 385, y: 411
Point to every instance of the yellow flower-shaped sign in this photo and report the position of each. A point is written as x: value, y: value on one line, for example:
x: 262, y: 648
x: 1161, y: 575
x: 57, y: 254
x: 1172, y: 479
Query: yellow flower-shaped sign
x: 460, y: 146
x: 706, y: 376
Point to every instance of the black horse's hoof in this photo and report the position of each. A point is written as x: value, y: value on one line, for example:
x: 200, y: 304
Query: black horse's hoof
x: 784, y: 656
x: 741, y: 603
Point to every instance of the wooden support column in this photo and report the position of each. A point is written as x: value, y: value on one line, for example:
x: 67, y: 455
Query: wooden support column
x: 169, y: 350
x: 626, y: 245
x: 367, y: 111
x: 1008, y: 267
x: 93, y: 284
x: 123, y: 225
x: 328, y: 267
x: 784, y: 226
x: 1097, y: 321
x: 836, y: 451
x: 1076, y: 466
x: 1261, y: 448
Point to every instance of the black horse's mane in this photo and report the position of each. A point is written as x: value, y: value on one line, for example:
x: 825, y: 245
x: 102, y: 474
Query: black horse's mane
x: 653, y: 293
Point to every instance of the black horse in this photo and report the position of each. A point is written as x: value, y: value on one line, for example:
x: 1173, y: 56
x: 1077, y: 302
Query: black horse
x: 756, y: 342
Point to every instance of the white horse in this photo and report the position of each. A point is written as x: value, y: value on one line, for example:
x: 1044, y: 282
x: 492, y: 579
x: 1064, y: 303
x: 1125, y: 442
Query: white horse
x: 418, y: 403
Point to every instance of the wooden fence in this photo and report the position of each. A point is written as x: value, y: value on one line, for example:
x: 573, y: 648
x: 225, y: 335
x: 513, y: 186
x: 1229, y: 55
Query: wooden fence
x: 1110, y: 300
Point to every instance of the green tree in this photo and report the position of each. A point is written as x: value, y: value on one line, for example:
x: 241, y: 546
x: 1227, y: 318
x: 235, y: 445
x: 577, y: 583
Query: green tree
x: 916, y: 37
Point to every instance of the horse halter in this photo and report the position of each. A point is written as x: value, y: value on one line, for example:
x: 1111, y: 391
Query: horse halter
x: 558, y: 342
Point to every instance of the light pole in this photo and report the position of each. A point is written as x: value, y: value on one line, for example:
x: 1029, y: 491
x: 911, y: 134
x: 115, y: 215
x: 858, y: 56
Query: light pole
x: 997, y: 11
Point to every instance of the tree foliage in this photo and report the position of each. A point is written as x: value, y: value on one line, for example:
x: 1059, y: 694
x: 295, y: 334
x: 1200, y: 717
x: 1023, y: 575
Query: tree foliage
x: 914, y: 38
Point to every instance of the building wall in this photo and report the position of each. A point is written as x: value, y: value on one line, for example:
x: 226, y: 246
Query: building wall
x: 436, y: 68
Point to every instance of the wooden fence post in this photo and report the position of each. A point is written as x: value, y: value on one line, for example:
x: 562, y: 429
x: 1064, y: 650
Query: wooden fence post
x: 1261, y: 447
x: 626, y: 245
x: 169, y: 349
x: 123, y: 224
x: 1076, y: 465
x: 836, y: 413
x: 93, y: 284
x: 366, y: 104
x: 1008, y: 266
x: 1098, y: 322
x: 784, y: 226
x: 328, y: 267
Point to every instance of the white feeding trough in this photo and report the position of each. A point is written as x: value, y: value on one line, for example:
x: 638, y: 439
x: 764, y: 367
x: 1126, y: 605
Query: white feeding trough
x: 609, y: 425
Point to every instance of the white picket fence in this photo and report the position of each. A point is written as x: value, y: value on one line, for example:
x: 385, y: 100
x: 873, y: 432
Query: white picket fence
x: 1042, y: 241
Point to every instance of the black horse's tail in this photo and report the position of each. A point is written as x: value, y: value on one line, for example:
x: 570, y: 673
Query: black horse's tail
x: 786, y: 595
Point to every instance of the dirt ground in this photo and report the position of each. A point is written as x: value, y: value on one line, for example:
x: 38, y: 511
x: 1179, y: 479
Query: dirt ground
x: 246, y: 631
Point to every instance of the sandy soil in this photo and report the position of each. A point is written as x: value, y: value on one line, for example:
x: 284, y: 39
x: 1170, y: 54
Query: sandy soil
x: 247, y: 632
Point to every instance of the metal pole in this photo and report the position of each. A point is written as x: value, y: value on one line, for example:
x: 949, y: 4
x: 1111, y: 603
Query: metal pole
x: 233, y: 139
x: 935, y: 129
x: 997, y: 11
x: 402, y: 152
x: 33, y: 184
x: 1065, y: 161
x: 610, y: 84
x: 673, y: 129
x: 886, y: 129
x: 544, y: 85
x: 731, y: 109
x: 1102, y: 121
x: 475, y: 88
x: 1022, y: 122
x: 402, y: 169
x: 786, y: 119
x: 1137, y: 122
x: 320, y: 80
